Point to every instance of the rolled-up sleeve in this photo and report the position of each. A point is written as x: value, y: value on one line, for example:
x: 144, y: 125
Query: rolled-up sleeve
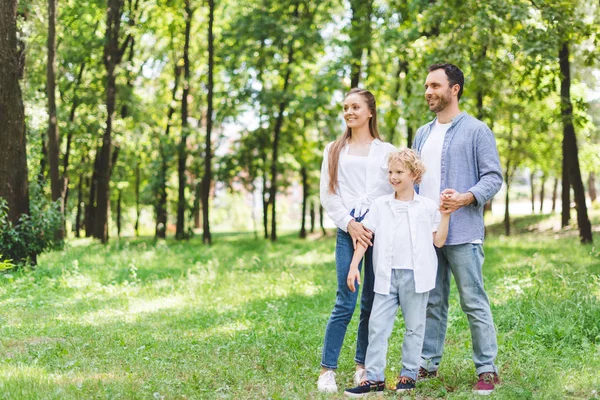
x: 332, y: 202
x: 488, y: 166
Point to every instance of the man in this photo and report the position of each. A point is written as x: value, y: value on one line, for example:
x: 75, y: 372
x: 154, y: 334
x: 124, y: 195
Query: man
x: 463, y: 173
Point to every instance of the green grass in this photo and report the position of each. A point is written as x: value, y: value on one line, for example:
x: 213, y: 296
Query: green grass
x: 245, y: 319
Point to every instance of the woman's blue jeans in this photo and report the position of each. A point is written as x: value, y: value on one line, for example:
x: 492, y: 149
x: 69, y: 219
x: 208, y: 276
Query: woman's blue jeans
x: 345, y: 303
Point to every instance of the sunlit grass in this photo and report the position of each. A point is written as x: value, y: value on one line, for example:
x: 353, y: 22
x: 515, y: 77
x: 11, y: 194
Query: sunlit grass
x: 245, y: 319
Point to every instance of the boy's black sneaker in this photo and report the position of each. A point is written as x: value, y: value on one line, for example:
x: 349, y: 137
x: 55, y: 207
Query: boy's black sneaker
x: 366, y: 388
x: 425, y: 375
x: 405, y: 384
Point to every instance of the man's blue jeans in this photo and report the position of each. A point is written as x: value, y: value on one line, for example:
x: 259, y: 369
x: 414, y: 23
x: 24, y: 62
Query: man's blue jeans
x: 465, y: 263
x: 385, y: 306
x: 345, y: 303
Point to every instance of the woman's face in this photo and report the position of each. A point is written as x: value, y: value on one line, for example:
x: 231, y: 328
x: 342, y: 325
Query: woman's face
x: 356, y: 111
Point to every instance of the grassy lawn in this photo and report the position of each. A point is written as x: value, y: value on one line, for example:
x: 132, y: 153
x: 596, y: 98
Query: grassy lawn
x: 245, y: 319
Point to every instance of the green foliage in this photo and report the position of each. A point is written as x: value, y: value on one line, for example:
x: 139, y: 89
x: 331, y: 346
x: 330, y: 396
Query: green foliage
x: 33, y: 234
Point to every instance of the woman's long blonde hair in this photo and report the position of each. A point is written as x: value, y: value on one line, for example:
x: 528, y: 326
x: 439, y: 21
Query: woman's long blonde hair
x: 338, y: 145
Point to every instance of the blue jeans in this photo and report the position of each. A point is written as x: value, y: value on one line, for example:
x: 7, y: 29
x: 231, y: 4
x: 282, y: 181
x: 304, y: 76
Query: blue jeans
x: 345, y: 303
x: 385, y: 306
x: 465, y: 262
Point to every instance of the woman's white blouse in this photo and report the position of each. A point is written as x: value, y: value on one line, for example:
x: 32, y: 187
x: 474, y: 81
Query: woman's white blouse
x: 360, y: 181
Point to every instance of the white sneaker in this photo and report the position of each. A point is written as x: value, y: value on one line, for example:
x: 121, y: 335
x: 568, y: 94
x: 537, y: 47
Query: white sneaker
x: 326, y: 383
x: 359, y: 376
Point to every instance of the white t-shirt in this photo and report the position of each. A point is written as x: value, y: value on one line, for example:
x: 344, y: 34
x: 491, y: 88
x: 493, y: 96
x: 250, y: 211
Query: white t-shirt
x: 431, y: 154
x: 402, y: 255
x: 353, y: 172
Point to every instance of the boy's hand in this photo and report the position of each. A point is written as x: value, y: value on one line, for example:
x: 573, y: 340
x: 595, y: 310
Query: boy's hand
x: 353, y: 275
x: 451, y: 200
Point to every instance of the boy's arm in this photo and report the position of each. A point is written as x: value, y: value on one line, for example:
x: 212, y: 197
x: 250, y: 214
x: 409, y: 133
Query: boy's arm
x: 439, y: 237
x: 354, y: 273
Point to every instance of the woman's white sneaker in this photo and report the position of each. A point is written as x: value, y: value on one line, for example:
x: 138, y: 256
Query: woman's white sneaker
x: 326, y: 383
x: 359, y: 376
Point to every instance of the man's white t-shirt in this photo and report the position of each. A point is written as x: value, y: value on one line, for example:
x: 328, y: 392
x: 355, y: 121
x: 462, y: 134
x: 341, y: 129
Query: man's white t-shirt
x: 431, y: 154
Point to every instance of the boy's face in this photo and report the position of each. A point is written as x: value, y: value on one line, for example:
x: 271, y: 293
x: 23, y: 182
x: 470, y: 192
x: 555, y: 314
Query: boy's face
x: 400, y: 177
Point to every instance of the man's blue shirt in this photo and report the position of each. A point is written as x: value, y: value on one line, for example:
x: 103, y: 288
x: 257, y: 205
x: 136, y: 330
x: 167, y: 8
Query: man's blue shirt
x: 470, y: 163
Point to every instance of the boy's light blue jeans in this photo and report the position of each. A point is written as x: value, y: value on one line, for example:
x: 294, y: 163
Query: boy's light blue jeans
x: 345, y: 303
x: 464, y: 262
x: 402, y: 293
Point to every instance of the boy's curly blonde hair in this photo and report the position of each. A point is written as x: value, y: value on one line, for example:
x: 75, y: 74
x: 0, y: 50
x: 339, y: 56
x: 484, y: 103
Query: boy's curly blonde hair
x: 410, y: 160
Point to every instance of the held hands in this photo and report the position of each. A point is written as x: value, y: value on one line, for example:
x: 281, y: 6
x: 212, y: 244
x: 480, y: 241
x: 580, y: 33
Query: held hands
x: 451, y: 200
x: 353, y: 276
x: 359, y: 234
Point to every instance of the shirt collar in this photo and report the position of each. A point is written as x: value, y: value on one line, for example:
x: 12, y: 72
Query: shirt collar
x: 455, y: 120
x: 390, y: 197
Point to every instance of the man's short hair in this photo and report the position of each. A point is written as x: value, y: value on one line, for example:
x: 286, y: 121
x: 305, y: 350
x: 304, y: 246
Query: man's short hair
x: 454, y: 74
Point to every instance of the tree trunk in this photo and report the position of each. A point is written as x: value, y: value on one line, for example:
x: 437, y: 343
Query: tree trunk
x: 542, y: 192
x: 112, y: 57
x: 119, y: 213
x: 43, y: 159
x: 90, y: 209
x: 161, y: 204
x: 321, y: 215
x: 79, y: 203
x: 276, y: 134
x: 360, y: 36
x: 181, y: 201
x: 74, y: 106
x: 312, y: 217
x: 532, y: 190
x: 198, y: 205
x: 570, y: 140
x: 507, y: 178
x: 592, y: 187
x: 304, y: 175
x: 56, y: 183
x: 14, y: 184
x: 207, y: 178
x: 554, y: 194
x: 137, y: 200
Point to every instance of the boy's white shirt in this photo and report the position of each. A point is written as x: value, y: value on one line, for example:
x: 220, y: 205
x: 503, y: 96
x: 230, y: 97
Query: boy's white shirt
x: 339, y: 205
x: 424, y: 218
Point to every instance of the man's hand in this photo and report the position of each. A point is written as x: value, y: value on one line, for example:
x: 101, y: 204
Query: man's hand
x: 353, y: 276
x: 451, y: 200
x: 359, y: 234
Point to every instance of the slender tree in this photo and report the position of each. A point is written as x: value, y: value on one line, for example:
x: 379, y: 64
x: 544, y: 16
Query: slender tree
x: 207, y: 178
x: 570, y: 146
x: 57, y: 184
x: 182, y: 161
x: 14, y: 184
x: 113, y: 54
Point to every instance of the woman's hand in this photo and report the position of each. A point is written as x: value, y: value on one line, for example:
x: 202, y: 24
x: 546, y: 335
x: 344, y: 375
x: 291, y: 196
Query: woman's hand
x: 353, y: 276
x: 359, y: 234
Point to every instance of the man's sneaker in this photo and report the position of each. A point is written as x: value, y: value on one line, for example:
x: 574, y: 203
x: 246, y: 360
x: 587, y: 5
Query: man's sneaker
x: 405, y: 384
x: 366, y: 388
x: 359, y: 376
x: 326, y: 383
x: 425, y: 375
x: 486, y: 383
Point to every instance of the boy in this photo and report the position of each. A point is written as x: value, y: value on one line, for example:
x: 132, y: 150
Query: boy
x: 405, y: 266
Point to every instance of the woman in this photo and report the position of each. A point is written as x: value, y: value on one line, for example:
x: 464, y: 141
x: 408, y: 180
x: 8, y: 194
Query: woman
x: 353, y: 174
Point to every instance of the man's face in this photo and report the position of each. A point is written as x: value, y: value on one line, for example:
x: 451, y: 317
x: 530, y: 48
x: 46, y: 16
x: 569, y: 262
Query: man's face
x: 438, y: 92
